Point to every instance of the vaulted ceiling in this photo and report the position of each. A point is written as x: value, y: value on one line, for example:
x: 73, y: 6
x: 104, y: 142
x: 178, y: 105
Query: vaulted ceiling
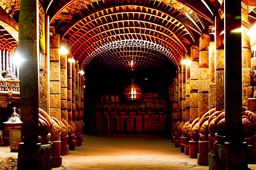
x: 147, y: 32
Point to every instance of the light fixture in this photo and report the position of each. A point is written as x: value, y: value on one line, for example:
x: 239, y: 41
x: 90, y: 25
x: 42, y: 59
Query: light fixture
x: 64, y: 50
x: 17, y: 59
x: 186, y: 62
x: 71, y: 60
x: 133, y: 91
x: 81, y: 72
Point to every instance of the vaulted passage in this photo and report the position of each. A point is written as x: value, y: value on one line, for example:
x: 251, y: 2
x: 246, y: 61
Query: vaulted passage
x: 177, y: 69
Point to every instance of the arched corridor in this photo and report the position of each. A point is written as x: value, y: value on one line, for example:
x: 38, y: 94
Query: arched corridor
x: 181, y: 69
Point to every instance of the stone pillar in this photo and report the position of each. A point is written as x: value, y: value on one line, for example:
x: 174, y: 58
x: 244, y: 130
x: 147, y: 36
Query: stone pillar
x: 246, y: 57
x: 194, y: 72
x: 55, y: 90
x: 64, y: 86
x: 69, y: 88
x: 180, y: 94
x: 203, y: 79
x: 188, y: 90
x: 219, y: 65
x: 29, y: 154
x: 74, y: 91
x: 212, y: 85
x: 183, y: 91
x: 234, y: 150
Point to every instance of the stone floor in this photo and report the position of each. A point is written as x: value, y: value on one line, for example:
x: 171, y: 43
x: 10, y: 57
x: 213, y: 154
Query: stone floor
x: 119, y: 153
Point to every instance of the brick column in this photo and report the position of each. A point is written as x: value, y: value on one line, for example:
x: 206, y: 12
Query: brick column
x: 246, y: 57
x: 203, y: 79
x: 188, y: 90
x: 194, y: 72
x: 212, y: 85
x: 55, y: 97
x: 183, y: 92
x: 64, y: 86
x: 69, y: 88
x: 74, y: 91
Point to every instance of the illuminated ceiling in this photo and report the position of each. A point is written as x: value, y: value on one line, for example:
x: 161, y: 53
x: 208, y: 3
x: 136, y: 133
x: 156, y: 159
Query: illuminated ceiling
x: 116, y: 32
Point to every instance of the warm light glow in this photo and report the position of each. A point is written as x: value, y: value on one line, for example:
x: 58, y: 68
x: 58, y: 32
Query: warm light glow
x: 64, y: 50
x: 238, y: 30
x: 133, y: 93
x: 252, y: 31
x: 71, y: 60
x: 17, y: 59
x: 186, y: 62
x: 81, y: 72
x: 132, y: 64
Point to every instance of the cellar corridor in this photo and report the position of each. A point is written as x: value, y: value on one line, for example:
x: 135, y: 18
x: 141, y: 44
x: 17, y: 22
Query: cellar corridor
x: 184, y: 70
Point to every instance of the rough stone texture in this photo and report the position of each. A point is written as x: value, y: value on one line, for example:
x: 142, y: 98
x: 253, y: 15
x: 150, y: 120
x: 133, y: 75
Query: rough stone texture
x: 194, y: 54
x: 204, y: 42
x: 193, y: 112
x: 43, y: 88
x: 203, y: 103
x: 69, y: 97
x: 55, y: 87
x: 203, y: 59
x: 54, y: 54
x: 64, y: 104
x: 203, y: 85
x: 212, y: 95
x: 55, y: 71
x: 193, y: 84
x: 220, y: 59
x: 193, y: 99
x: 219, y: 89
x: 55, y: 41
x: 246, y: 57
x: 55, y: 100
x: 212, y: 62
x: 203, y: 74
x: 253, y: 63
x: 246, y: 76
x: 63, y: 78
x: 64, y: 114
x: 64, y: 93
x: 55, y: 112
x: 194, y: 70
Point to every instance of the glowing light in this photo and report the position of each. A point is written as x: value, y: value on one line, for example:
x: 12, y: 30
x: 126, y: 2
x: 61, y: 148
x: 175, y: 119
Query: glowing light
x: 17, y: 59
x: 186, y: 62
x: 132, y: 64
x: 238, y: 30
x: 71, y: 60
x: 81, y: 72
x: 64, y: 50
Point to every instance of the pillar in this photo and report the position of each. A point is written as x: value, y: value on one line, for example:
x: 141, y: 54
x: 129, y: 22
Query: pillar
x: 74, y: 78
x: 183, y: 92
x: 69, y: 88
x: 188, y: 90
x: 29, y: 155
x: 194, y: 72
x: 219, y: 65
x: 64, y: 86
x: 203, y: 79
x: 235, y: 153
x: 55, y: 90
x: 212, y: 85
x: 246, y: 58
